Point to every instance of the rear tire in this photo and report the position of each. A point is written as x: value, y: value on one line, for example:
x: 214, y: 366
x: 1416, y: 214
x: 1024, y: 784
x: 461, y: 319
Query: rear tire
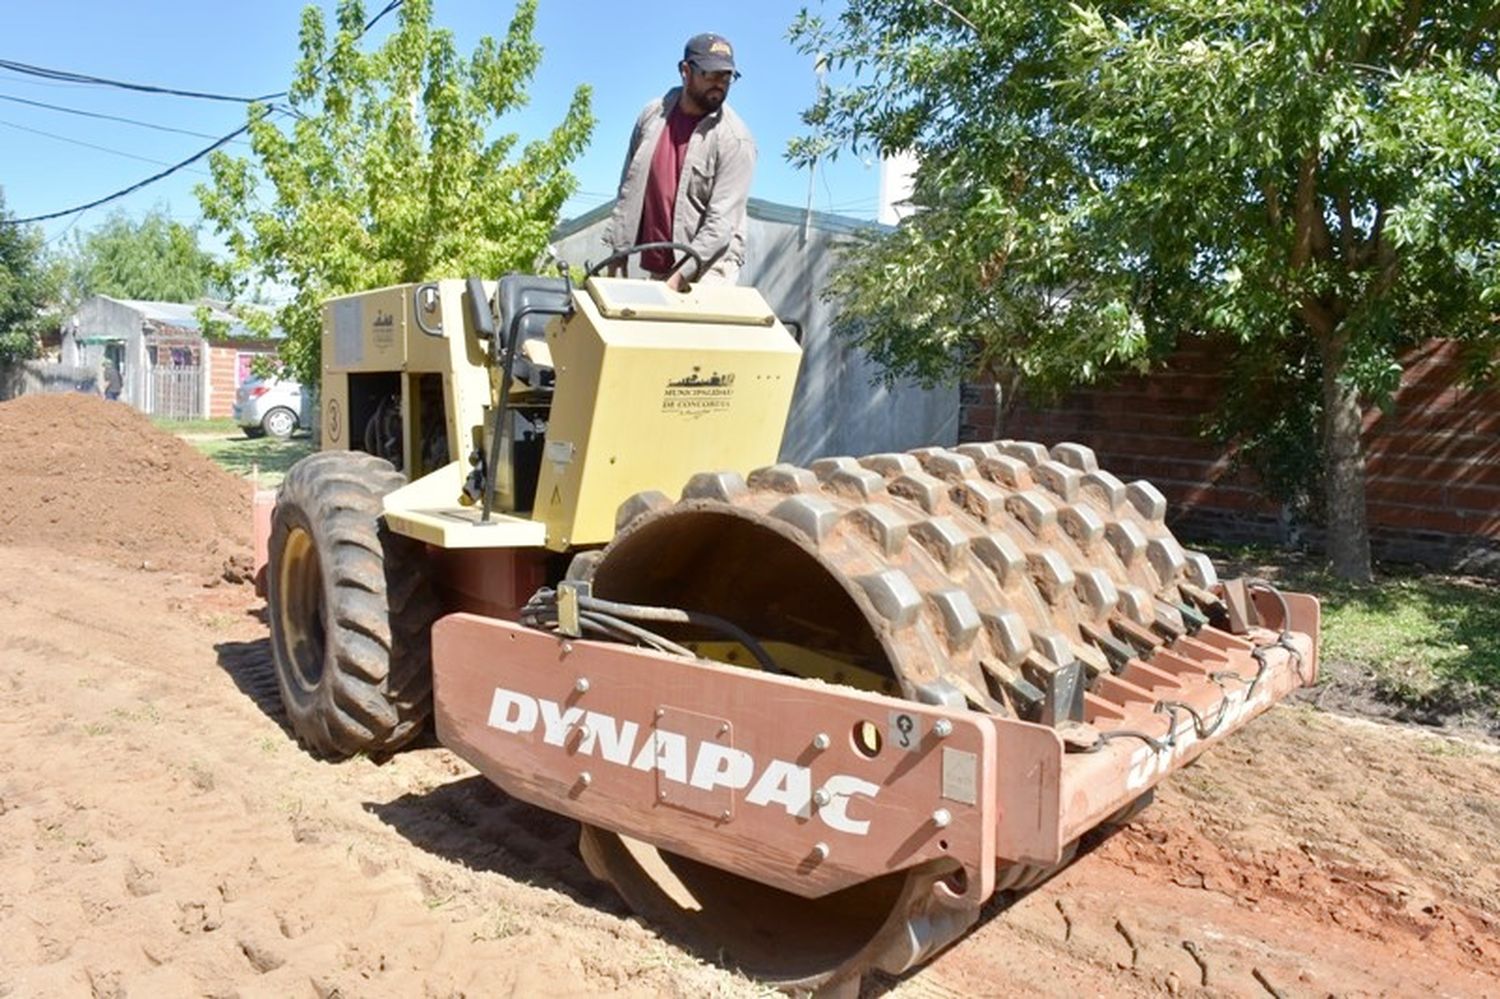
x: 279, y: 423
x: 351, y: 609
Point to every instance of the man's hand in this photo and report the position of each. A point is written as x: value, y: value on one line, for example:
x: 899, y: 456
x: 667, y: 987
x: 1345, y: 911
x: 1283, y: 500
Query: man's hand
x: 616, y: 269
x: 677, y: 282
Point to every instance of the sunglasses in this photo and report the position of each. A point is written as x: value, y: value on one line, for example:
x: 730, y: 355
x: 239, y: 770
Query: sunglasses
x: 724, y: 76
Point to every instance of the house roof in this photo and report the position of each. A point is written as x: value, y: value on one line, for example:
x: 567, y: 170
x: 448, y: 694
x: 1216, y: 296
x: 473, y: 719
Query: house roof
x: 171, y: 313
x: 182, y: 315
x: 764, y: 211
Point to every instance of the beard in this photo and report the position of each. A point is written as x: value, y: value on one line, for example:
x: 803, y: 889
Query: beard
x: 709, y: 96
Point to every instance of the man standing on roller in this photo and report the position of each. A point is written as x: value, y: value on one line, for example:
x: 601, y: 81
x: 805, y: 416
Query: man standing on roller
x: 687, y: 173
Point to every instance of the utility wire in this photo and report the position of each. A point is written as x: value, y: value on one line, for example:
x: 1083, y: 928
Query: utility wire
x: 82, y: 78
x: 66, y: 229
x: 133, y: 187
x: 146, y: 88
x: 67, y: 76
x: 105, y: 117
x: 86, y: 145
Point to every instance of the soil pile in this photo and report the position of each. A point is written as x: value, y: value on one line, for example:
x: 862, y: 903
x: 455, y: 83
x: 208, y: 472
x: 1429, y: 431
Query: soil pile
x: 98, y: 479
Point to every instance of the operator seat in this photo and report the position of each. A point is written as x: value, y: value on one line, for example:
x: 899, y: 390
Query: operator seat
x: 527, y: 303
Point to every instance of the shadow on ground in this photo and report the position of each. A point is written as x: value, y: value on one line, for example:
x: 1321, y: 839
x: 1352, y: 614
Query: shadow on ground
x: 249, y: 665
x: 880, y: 983
x: 474, y: 823
x: 469, y: 821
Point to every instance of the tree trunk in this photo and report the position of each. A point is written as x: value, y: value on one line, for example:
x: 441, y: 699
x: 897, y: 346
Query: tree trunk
x: 1344, y: 465
x: 1005, y: 386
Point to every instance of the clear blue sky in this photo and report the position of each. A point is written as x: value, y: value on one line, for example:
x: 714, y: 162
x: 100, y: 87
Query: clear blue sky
x: 52, y: 160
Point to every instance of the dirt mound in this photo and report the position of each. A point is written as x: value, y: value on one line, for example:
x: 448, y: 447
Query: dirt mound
x: 98, y: 479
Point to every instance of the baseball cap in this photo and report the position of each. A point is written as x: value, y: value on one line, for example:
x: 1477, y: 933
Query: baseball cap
x: 710, y: 53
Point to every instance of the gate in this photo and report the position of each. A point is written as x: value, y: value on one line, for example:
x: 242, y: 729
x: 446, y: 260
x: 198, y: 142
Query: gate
x: 177, y: 392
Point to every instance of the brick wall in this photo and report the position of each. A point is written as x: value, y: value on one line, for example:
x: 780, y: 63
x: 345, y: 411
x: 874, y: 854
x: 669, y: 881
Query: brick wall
x: 1433, y: 463
x: 224, y: 372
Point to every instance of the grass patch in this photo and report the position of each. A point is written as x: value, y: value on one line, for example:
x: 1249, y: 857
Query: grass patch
x: 242, y: 455
x: 220, y: 426
x: 1423, y: 635
x: 1424, y: 639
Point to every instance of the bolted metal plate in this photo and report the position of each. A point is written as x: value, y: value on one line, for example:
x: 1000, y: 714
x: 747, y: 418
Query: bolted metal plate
x: 695, y: 729
x: 960, y: 776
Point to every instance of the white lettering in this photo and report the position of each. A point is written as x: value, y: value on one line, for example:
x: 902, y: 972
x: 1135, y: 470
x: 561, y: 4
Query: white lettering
x: 835, y: 814
x: 616, y: 740
x: 785, y: 784
x: 507, y: 703
x: 555, y: 723
x: 782, y: 783
x: 721, y: 766
x: 665, y: 752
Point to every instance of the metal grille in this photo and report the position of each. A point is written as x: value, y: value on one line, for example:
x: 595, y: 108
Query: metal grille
x: 177, y: 392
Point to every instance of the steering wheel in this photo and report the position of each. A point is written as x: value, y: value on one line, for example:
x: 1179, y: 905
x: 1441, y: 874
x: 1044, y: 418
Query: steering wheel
x: 620, y: 256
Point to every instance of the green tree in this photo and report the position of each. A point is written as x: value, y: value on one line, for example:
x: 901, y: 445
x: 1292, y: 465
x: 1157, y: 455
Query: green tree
x: 154, y: 258
x: 389, y: 173
x: 1318, y: 181
x: 27, y: 288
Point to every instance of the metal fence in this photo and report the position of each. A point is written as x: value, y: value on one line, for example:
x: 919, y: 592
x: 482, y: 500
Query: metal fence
x: 176, y: 393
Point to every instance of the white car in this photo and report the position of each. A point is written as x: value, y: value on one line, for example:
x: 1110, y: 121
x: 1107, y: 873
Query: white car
x: 273, y: 406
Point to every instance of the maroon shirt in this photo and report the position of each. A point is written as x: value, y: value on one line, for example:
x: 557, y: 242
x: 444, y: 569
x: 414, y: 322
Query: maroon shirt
x: 661, y: 189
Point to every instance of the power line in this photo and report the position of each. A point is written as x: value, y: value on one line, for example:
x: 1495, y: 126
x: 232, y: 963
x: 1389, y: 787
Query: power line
x: 105, y: 117
x: 146, y: 88
x: 80, y: 78
x: 66, y: 229
x: 133, y: 187
x: 86, y: 145
x: 52, y: 84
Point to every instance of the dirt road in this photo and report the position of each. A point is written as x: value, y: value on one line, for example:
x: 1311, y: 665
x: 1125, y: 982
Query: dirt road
x: 161, y: 834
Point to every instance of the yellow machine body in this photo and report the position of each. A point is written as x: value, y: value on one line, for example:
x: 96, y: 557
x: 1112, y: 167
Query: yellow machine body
x: 653, y: 387
x: 649, y: 387
x: 811, y: 719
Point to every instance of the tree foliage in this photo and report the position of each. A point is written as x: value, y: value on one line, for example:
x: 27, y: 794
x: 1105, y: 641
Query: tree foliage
x: 1320, y: 180
x: 27, y: 288
x: 388, y: 171
x: 153, y: 258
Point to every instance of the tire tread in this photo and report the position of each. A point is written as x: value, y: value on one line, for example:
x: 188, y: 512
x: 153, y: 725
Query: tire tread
x: 375, y: 690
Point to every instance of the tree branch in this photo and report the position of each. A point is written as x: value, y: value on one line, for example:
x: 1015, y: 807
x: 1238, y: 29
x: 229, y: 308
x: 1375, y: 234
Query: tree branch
x: 1346, y: 230
x: 966, y: 22
x: 1305, y: 215
x: 1411, y: 19
x: 1271, y: 191
x: 1318, y: 317
x: 1372, y: 246
x: 1390, y: 269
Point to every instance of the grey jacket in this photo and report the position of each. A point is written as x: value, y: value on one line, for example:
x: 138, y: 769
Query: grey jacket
x: 711, y: 193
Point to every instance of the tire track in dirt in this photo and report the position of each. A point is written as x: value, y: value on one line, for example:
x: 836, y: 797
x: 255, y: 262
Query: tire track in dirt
x: 174, y: 839
x: 1253, y: 875
x: 161, y: 834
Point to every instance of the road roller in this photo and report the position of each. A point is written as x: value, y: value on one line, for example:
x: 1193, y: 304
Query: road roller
x: 809, y: 719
